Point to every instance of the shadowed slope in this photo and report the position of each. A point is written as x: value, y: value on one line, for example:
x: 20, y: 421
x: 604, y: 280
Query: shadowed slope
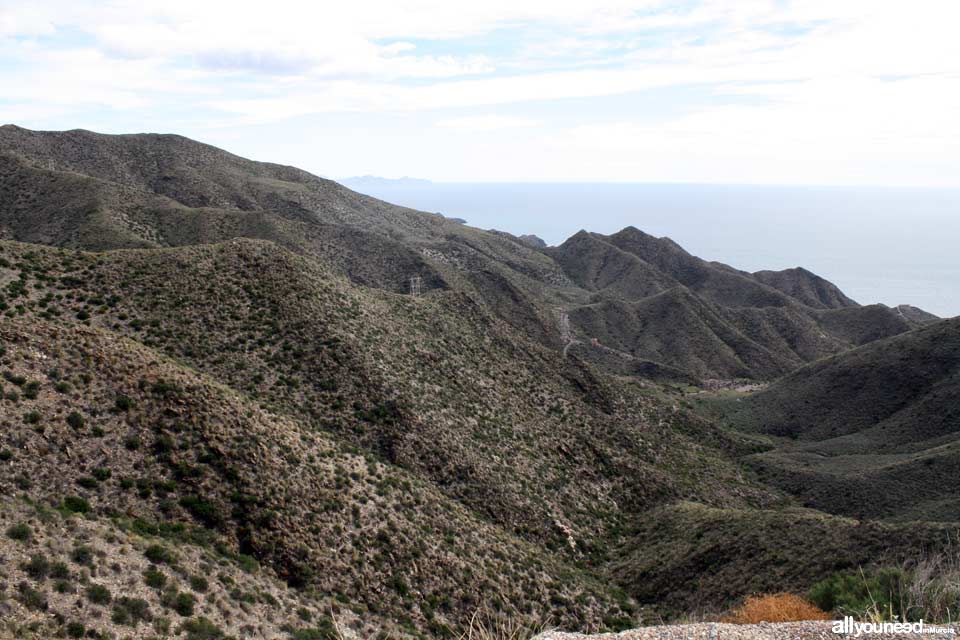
x: 872, y: 432
x: 808, y: 288
x: 656, y: 302
x: 688, y: 557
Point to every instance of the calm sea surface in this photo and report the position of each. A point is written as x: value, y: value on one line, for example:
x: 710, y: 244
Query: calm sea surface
x: 879, y: 245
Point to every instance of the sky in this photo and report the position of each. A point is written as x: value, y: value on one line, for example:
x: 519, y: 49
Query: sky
x: 829, y: 92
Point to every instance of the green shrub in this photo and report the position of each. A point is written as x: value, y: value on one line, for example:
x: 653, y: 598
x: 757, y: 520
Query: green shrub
x: 158, y: 554
x: 101, y: 473
x: 154, y: 578
x: 183, y: 603
x: 201, y: 629
x: 20, y: 531
x: 203, y: 510
x: 31, y: 598
x: 860, y: 595
x: 38, y: 567
x: 398, y: 584
x: 14, y: 378
x: 131, y: 611
x: 163, y: 445
x: 5, y: 455
x: 324, y: 630
x: 98, y: 594
x: 199, y: 584
x: 75, y: 504
x: 60, y: 571
x: 76, y: 629
x: 75, y: 420
x: 124, y: 403
x: 82, y: 555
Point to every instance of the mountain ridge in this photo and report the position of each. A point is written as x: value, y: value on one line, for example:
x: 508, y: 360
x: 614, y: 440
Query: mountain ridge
x: 186, y: 193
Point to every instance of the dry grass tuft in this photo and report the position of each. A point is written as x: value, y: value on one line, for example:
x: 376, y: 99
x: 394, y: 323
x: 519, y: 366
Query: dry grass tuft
x: 484, y: 626
x: 777, y: 607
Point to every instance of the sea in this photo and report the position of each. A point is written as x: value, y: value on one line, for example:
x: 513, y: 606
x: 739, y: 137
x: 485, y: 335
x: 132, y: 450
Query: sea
x: 888, y: 245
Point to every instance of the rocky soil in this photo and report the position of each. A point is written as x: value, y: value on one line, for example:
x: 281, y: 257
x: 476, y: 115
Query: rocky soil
x: 717, y: 631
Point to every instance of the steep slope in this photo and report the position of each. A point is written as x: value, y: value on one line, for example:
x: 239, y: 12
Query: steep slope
x: 80, y: 575
x: 806, y: 287
x: 656, y: 302
x: 86, y: 190
x: 436, y: 383
x: 679, y: 328
x: 712, y: 281
x: 872, y: 432
x: 689, y: 557
x: 913, y: 314
x: 198, y: 176
x: 240, y: 367
x: 597, y: 265
x: 96, y: 422
x: 537, y: 446
x: 898, y: 392
x: 857, y: 326
x: 532, y: 500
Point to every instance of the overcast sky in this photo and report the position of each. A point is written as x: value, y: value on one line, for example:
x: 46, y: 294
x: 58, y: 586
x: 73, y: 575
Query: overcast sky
x: 744, y: 91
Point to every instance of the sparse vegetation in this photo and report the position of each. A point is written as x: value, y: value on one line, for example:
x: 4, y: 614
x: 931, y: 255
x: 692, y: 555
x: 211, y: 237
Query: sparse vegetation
x: 201, y: 629
x: 131, y: 611
x: 31, y: 598
x: 255, y: 414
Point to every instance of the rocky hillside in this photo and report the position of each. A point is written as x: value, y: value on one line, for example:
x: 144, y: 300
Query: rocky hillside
x: 319, y: 380
x: 85, y: 190
x: 654, y: 301
x: 70, y: 574
x: 375, y: 419
x: 104, y: 427
x: 687, y: 557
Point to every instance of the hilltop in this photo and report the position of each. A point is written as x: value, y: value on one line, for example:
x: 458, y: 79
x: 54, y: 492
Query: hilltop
x: 653, y: 301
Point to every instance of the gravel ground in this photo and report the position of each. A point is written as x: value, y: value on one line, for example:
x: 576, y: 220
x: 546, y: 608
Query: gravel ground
x: 718, y: 631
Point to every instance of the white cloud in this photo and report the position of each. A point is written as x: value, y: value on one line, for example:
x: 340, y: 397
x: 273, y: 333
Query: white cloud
x: 488, y: 122
x: 821, y: 131
x: 794, y: 80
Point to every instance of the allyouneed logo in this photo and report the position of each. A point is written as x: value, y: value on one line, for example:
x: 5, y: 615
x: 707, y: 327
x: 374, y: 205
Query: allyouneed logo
x: 850, y: 627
